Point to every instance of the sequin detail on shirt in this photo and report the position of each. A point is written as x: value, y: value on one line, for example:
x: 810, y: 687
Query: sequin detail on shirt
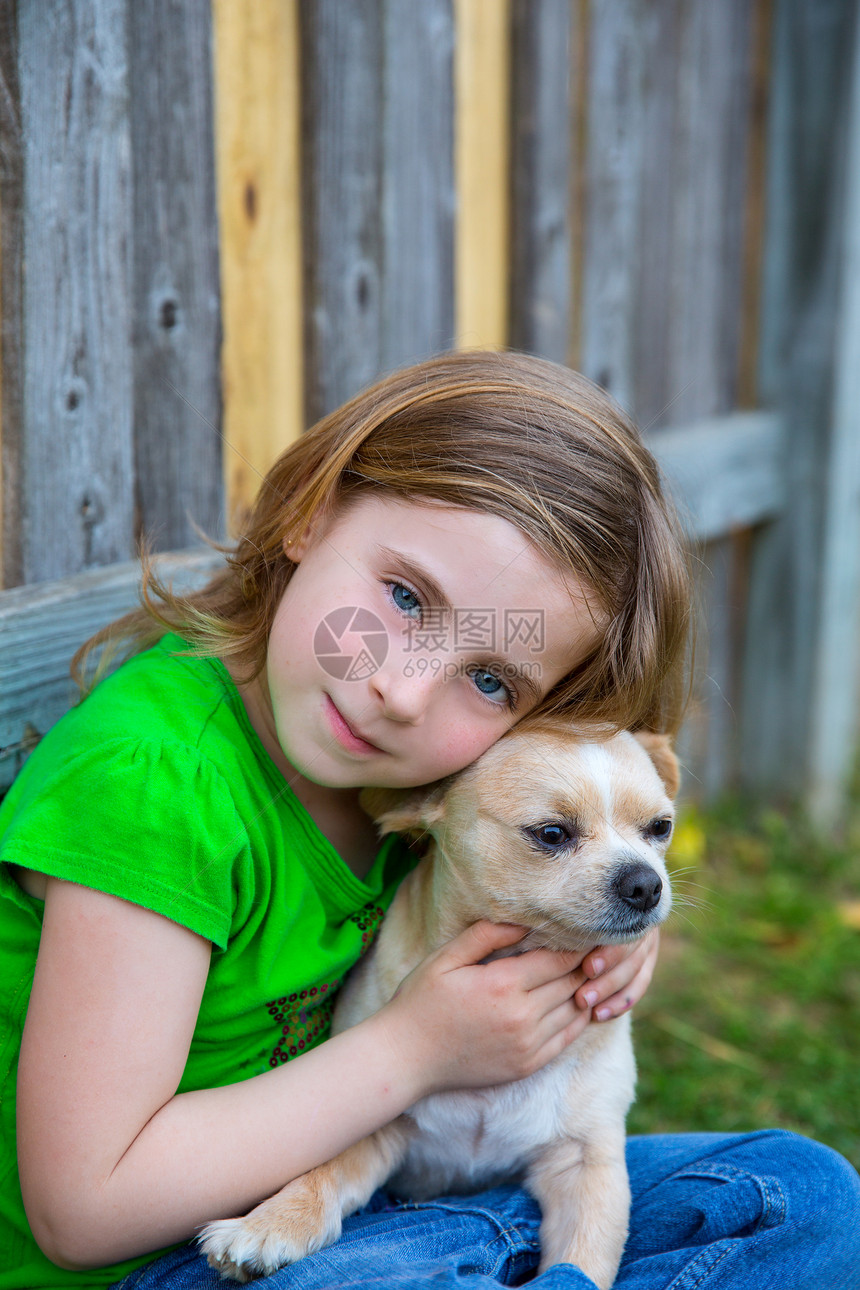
x: 305, y: 1016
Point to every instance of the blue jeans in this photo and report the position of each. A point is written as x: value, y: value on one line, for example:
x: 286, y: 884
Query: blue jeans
x: 757, y: 1211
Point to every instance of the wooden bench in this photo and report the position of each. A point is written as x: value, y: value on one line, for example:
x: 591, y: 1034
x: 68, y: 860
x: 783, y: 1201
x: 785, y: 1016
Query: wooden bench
x: 42, y: 626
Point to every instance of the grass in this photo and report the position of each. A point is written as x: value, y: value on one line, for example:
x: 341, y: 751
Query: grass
x: 753, y: 1020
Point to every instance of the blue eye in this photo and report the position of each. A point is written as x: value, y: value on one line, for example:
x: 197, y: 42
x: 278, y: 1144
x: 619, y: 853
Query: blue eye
x: 405, y: 600
x: 491, y: 687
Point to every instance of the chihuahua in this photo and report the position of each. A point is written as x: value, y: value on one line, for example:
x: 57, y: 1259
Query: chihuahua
x: 565, y: 837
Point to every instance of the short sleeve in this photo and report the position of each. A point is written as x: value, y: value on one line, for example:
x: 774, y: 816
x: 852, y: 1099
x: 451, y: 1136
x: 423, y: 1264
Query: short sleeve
x: 147, y: 820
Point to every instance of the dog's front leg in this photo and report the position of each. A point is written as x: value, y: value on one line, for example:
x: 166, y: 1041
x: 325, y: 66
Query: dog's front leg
x: 584, y: 1195
x: 306, y: 1214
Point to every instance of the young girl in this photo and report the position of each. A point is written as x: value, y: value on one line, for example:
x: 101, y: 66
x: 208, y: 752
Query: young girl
x: 188, y: 872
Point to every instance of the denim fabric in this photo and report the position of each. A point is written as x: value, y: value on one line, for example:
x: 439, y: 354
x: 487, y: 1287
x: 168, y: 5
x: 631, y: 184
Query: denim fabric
x: 758, y: 1211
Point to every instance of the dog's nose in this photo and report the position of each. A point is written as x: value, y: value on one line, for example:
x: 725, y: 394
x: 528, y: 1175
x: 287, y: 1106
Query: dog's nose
x: 639, y: 886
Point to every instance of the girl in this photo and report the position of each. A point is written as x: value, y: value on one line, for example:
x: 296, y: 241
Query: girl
x: 190, y: 874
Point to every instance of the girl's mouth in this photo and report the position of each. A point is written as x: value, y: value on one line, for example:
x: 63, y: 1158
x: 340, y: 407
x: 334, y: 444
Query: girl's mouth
x: 343, y: 731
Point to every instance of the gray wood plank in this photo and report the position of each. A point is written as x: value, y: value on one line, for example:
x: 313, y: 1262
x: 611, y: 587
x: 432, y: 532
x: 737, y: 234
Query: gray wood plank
x: 41, y: 628
x: 665, y: 172
x: 11, y: 297
x: 75, y: 465
x: 541, y: 177
x: 660, y: 28
x: 341, y: 48
x: 176, y: 306
x: 705, y: 311
x: 417, y: 285
x: 668, y: 102
x: 835, y: 724
x: 612, y: 166
x: 725, y: 473
x: 378, y: 185
x: 707, y: 742
x: 797, y: 670
x: 712, y: 119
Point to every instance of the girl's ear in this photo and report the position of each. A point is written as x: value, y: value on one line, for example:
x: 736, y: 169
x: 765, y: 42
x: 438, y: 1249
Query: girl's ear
x: 295, y: 549
x: 659, y: 749
x: 405, y: 810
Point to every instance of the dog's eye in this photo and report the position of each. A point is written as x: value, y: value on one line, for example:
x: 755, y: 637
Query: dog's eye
x: 660, y: 830
x: 550, y: 836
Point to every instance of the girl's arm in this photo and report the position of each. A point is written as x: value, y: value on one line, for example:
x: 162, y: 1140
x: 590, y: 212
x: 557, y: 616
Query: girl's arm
x: 114, y: 1163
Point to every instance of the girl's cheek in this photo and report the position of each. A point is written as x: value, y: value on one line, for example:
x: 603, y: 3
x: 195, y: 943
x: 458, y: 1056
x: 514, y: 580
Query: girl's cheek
x: 466, y: 741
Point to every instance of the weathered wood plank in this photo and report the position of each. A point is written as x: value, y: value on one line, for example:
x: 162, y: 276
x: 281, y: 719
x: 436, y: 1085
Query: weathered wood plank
x: 42, y: 627
x: 76, y: 465
x: 11, y: 298
x: 482, y: 65
x: 665, y: 172
x: 715, y: 59
x: 341, y: 50
x: 803, y: 598
x: 704, y: 313
x: 708, y: 737
x: 611, y: 235
x: 417, y: 285
x: 726, y: 472
x: 378, y: 190
x: 541, y: 174
x: 668, y: 103
x: 258, y: 109
x: 175, y: 306
x: 659, y: 29
x: 835, y: 726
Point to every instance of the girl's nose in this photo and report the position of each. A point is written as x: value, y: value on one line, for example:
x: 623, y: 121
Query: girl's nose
x: 404, y: 692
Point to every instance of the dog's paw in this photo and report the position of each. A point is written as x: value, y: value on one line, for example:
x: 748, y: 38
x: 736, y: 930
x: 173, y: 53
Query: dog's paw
x: 224, y: 1248
x: 280, y: 1231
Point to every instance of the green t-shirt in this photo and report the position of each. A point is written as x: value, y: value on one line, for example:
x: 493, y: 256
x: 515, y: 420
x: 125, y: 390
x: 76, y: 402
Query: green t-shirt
x: 157, y: 789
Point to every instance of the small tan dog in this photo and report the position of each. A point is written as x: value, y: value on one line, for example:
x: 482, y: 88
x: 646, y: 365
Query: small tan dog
x: 564, y: 837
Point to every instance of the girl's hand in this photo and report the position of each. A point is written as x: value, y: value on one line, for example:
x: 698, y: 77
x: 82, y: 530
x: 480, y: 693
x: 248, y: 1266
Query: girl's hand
x: 461, y: 1023
x: 618, y: 976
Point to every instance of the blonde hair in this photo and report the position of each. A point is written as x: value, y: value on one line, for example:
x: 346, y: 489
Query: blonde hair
x: 504, y: 433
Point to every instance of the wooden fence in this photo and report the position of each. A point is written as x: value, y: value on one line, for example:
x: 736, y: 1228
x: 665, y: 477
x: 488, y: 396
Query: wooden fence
x: 219, y: 220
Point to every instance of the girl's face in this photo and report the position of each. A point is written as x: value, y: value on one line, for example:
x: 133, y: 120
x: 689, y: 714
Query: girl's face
x: 410, y: 637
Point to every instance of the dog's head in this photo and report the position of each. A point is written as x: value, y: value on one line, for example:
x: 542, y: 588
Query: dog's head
x: 559, y: 834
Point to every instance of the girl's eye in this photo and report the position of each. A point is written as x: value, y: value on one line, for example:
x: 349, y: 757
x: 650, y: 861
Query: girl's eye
x: 660, y: 830
x: 550, y: 836
x: 492, y: 687
x: 405, y: 599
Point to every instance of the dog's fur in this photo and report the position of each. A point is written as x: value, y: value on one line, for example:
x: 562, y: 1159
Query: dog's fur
x: 561, y: 1130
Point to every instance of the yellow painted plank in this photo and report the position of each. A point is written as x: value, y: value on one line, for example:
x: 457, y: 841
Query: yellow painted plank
x: 482, y: 68
x: 257, y: 123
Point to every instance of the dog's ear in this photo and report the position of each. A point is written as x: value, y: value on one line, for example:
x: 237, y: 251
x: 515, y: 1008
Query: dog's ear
x: 404, y: 810
x: 659, y: 749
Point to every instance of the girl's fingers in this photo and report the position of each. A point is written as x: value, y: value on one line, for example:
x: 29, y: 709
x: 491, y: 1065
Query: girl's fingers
x: 538, y: 968
x: 559, y: 1028
x: 605, y: 958
x: 479, y: 940
x: 556, y: 993
x: 528, y: 970
x: 620, y: 988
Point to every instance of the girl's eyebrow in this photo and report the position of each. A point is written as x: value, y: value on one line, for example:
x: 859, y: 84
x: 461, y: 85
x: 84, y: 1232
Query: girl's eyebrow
x: 417, y: 573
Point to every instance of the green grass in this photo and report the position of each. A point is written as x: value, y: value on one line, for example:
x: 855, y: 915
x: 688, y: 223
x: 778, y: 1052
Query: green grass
x: 753, y: 1020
